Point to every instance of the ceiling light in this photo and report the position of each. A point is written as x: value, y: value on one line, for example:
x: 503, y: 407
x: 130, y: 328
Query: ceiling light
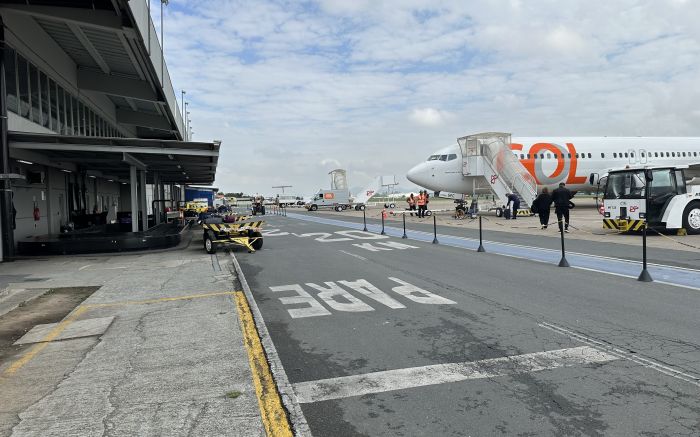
x: 24, y: 162
x: 179, y: 166
x: 110, y: 180
x: 67, y: 171
x: 92, y: 176
x: 171, y: 157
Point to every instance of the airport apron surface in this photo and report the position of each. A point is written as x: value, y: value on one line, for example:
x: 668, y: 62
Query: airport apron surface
x: 382, y: 336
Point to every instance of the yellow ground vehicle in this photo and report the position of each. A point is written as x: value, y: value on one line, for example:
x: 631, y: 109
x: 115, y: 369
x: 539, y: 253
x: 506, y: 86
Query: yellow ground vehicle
x: 240, y: 234
x: 192, y: 209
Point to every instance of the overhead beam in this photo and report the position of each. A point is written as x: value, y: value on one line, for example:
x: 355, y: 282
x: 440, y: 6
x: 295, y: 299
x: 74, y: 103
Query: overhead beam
x: 99, y: 60
x: 126, y: 157
x: 116, y: 85
x: 143, y: 119
x: 111, y: 149
x: 79, y: 16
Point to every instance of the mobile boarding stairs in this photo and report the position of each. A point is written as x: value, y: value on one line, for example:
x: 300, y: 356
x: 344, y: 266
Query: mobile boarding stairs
x: 488, y: 158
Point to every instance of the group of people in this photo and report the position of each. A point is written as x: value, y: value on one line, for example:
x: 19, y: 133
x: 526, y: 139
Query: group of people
x: 561, y: 198
x: 418, y: 203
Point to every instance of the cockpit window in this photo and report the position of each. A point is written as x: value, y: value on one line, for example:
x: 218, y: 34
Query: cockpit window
x: 433, y: 157
x: 443, y: 157
x: 451, y: 156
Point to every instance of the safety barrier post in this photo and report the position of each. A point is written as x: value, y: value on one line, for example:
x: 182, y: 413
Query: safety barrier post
x: 404, y: 226
x: 563, y: 262
x: 383, y: 233
x: 364, y: 219
x: 481, y: 240
x: 435, y: 240
x: 644, y: 276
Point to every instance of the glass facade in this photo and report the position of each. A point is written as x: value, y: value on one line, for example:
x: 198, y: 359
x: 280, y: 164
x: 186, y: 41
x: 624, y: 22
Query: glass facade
x: 33, y: 95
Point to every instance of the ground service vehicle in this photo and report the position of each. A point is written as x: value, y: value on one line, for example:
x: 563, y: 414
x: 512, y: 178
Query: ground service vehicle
x: 238, y: 234
x: 672, y: 202
x: 339, y: 200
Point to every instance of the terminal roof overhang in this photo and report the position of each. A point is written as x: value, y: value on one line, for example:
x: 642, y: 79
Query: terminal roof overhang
x: 174, y: 161
x: 117, y: 53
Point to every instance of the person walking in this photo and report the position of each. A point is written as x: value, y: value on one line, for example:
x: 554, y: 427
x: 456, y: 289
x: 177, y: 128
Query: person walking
x: 421, y: 204
x: 427, y: 201
x: 562, y: 203
x: 514, y: 200
x: 411, y: 203
x: 542, y: 206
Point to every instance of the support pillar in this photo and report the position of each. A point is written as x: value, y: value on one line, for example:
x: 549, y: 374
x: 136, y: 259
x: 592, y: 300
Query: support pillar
x: 156, y: 196
x: 7, y: 234
x: 133, y: 185
x: 142, y: 200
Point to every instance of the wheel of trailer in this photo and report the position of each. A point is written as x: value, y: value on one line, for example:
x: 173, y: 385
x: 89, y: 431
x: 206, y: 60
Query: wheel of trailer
x: 691, y: 218
x: 313, y: 208
x: 343, y: 207
x: 257, y: 244
x: 428, y: 213
x: 361, y: 208
x: 338, y: 208
x: 499, y: 212
x: 209, y: 245
x: 392, y: 205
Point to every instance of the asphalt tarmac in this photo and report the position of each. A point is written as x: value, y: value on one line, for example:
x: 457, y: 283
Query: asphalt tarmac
x: 384, y: 336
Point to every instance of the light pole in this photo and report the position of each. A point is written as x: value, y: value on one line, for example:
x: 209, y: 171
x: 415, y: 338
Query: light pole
x: 184, y: 119
x: 182, y: 108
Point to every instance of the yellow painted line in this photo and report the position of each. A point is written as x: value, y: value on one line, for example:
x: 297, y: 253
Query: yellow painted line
x: 159, y: 300
x: 55, y: 332
x: 274, y: 417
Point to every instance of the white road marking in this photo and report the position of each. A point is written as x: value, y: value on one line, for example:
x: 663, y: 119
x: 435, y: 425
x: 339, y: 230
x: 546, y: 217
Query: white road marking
x: 397, y: 245
x: 338, y: 299
x: 418, y: 295
x: 314, y: 307
x: 84, y: 267
x: 366, y: 289
x: 636, y: 358
x: 401, y: 379
x: 370, y: 247
x: 352, y: 254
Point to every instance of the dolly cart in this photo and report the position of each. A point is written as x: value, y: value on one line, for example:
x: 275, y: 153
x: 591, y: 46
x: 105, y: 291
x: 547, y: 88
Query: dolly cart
x: 238, y: 234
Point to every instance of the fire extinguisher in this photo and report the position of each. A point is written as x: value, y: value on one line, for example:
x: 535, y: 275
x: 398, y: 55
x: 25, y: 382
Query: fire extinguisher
x: 37, y: 213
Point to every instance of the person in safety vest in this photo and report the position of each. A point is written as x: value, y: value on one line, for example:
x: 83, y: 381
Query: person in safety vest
x: 411, y: 203
x: 421, y: 204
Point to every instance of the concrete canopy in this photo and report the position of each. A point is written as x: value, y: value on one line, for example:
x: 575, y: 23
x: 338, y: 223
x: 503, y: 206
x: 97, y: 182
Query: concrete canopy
x: 176, y: 162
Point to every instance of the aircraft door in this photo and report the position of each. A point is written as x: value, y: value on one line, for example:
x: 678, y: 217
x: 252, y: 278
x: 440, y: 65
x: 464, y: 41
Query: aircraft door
x: 632, y: 156
x: 642, y: 156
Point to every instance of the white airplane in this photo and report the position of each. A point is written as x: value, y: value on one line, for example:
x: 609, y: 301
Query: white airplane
x: 553, y: 160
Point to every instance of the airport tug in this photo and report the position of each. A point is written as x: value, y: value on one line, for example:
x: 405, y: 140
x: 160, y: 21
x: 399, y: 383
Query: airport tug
x: 670, y: 203
x: 238, y: 233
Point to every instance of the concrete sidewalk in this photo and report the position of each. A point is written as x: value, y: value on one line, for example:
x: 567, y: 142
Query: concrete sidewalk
x: 172, y: 362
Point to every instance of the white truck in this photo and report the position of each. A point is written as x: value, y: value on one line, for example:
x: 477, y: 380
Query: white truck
x: 338, y: 200
x: 673, y: 200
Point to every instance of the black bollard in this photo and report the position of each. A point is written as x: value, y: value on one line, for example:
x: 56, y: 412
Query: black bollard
x: 481, y: 240
x: 644, y: 276
x: 563, y: 262
x: 435, y: 240
x: 404, y: 226
x: 383, y: 233
x: 364, y: 219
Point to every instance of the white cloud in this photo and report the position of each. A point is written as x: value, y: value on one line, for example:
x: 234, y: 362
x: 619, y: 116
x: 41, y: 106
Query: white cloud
x: 430, y: 117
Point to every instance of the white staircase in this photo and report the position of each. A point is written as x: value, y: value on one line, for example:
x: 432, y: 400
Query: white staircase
x: 489, y: 155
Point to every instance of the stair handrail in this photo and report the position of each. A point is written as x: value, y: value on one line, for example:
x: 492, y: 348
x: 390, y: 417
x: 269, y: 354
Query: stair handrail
x: 509, y: 168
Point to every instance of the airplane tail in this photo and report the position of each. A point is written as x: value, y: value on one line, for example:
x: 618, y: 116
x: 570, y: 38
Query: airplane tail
x: 364, y: 195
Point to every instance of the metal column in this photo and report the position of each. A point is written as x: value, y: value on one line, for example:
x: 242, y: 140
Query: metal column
x: 7, y: 238
x: 133, y: 182
x: 144, y: 205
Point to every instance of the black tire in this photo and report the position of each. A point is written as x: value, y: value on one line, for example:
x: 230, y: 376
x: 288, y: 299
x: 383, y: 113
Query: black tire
x: 257, y: 244
x: 343, y: 207
x: 499, y: 212
x: 691, y: 218
x: 209, y: 245
x: 428, y: 213
x: 313, y: 208
x: 392, y: 205
x: 338, y: 208
x: 361, y: 208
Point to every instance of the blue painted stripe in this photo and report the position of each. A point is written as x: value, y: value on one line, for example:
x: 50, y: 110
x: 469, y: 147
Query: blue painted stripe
x: 661, y: 273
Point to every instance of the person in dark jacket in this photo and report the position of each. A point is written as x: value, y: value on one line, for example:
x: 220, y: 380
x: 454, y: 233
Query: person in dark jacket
x: 543, y: 203
x: 562, y: 202
x: 515, y: 200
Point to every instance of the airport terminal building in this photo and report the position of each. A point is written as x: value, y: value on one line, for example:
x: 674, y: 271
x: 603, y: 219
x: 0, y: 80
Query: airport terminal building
x: 92, y: 130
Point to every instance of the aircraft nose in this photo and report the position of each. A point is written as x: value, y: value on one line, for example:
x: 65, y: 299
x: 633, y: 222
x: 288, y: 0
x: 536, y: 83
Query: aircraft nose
x: 417, y: 174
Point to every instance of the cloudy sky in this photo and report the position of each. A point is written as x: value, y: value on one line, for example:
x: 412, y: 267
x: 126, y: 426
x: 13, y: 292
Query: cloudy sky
x: 297, y: 88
